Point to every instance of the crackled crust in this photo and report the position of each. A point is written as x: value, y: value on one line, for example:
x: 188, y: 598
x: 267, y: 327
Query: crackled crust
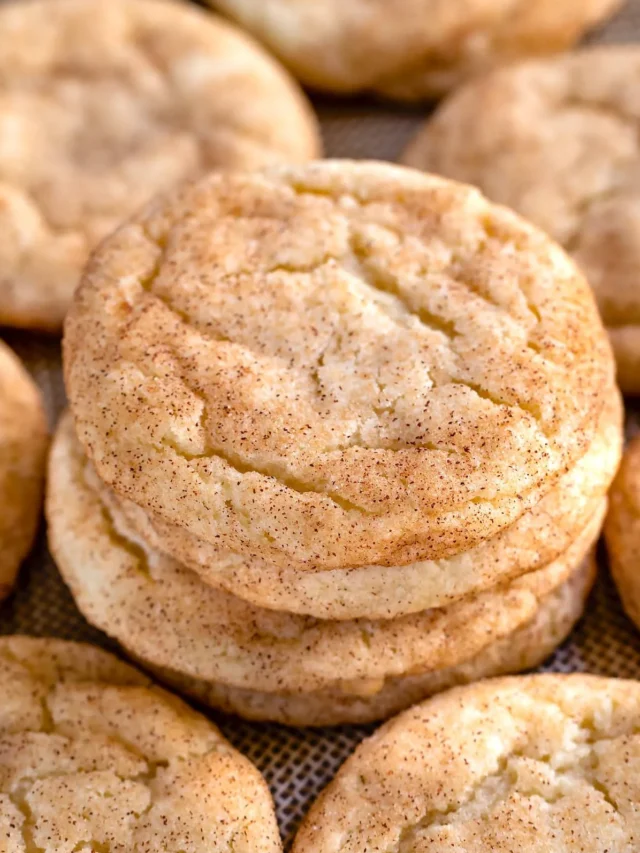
x: 23, y: 447
x: 537, y: 763
x: 538, y: 537
x: 428, y: 49
x: 622, y: 530
x: 92, y: 756
x: 165, y: 614
x: 107, y: 102
x: 524, y: 648
x: 403, y: 387
x: 557, y: 140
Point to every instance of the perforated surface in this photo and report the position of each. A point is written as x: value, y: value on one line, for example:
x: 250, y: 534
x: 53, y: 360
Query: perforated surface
x: 297, y: 764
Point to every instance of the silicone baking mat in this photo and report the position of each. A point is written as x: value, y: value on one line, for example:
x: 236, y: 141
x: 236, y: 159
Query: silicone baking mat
x: 298, y: 763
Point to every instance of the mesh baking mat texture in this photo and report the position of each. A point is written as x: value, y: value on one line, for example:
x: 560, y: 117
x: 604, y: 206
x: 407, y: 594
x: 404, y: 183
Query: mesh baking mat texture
x: 299, y: 763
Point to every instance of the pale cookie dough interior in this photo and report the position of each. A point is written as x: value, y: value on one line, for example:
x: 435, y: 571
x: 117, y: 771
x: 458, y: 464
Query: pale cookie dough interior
x: 432, y: 46
x: 92, y: 757
x: 23, y: 447
x: 622, y: 531
x: 537, y: 764
x: 557, y: 140
x: 538, y: 537
x: 104, y: 103
x: 166, y: 615
x: 405, y: 386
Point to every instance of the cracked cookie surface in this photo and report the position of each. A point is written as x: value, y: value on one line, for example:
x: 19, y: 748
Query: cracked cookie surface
x: 104, y: 103
x: 538, y: 763
x: 93, y: 757
x: 334, y: 365
x: 557, y: 140
x: 538, y: 537
x: 431, y: 47
x: 23, y: 447
x: 165, y: 615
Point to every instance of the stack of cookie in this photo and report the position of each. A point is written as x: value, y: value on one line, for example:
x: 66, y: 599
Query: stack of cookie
x: 341, y: 437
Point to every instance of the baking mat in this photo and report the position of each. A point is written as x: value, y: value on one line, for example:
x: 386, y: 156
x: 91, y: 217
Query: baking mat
x: 297, y: 763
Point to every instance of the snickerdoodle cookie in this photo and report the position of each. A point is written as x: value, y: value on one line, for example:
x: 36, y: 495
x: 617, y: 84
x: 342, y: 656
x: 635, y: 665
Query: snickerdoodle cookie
x: 274, y: 665
x: 622, y: 530
x: 93, y: 757
x: 557, y: 140
x: 538, y: 537
x: 539, y: 763
x: 103, y: 103
x: 23, y: 447
x: 334, y: 365
x: 418, y: 50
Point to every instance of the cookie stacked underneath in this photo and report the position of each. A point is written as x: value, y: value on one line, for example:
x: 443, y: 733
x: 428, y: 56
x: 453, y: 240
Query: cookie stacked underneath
x: 344, y: 436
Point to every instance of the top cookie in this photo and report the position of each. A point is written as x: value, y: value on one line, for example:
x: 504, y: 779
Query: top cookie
x: 23, y: 447
x: 557, y: 140
x: 93, y: 757
x: 536, y: 764
x: 424, y: 50
x: 104, y: 103
x: 334, y: 365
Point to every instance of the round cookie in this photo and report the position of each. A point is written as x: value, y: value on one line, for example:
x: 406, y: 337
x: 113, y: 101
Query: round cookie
x: 403, y: 387
x: 430, y: 48
x: 92, y: 756
x: 557, y: 140
x: 104, y: 103
x: 23, y: 447
x: 535, y: 539
x: 535, y: 763
x: 301, y: 670
x: 622, y: 530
